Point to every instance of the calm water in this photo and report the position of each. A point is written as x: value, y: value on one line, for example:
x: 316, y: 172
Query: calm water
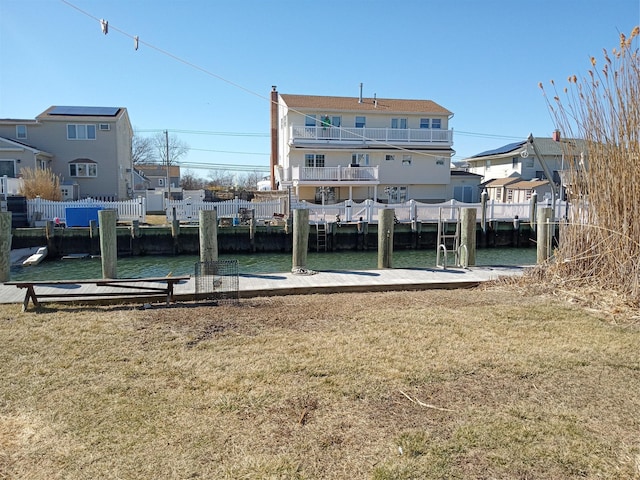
x: 160, y: 266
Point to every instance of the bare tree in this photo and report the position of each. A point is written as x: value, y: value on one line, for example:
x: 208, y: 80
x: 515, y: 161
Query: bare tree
x: 142, y: 150
x: 176, y: 148
x: 249, y: 180
x: 189, y: 181
x: 221, y: 178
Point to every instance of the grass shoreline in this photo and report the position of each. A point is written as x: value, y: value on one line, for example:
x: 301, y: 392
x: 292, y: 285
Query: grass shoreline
x: 482, y: 383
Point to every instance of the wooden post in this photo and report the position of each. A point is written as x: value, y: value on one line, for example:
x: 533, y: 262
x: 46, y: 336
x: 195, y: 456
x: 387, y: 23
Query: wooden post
x: 532, y: 210
x: 300, y: 239
x: 208, y: 236
x: 108, y: 243
x: 468, y: 235
x: 252, y: 231
x: 50, y: 233
x: 385, y: 237
x: 545, y: 227
x: 5, y: 246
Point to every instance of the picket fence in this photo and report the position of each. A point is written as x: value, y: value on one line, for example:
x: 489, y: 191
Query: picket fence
x: 128, y: 210
x: 347, y: 211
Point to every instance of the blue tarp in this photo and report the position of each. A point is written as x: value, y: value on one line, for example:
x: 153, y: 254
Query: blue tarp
x: 81, y: 216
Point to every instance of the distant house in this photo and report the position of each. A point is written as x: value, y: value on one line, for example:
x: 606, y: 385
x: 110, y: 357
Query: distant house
x: 519, y: 160
x: 331, y: 149
x: 514, y: 189
x: 88, y: 147
x: 155, y: 176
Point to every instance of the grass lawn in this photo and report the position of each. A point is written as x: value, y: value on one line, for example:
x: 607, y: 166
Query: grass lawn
x: 489, y: 383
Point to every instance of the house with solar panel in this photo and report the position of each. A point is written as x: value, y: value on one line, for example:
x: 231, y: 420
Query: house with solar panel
x: 327, y: 149
x: 88, y: 147
x: 512, y: 172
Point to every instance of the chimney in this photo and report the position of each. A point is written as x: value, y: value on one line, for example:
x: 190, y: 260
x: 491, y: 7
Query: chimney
x: 360, y: 98
x: 274, y: 135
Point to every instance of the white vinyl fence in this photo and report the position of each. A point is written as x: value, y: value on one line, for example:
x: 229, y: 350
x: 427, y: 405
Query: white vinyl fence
x: 348, y: 211
x: 128, y: 210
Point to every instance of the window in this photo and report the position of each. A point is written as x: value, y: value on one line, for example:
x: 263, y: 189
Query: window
x: 81, y: 132
x: 8, y: 168
x: 361, y: 122
x: 309, y: 120
x: 436, y: 123
x: 161, y: 182
x: 390, y: 158
x: 396, y: 194
x: 313, y: 160
x: 406, y: 159
x: 499, y: 194
x: 336, y: 121
x: 399, y: 123
x: 360, y: 159
x: 104, y: 127
x: 463, y: 193
x: 21, y: 132
x: 509, y: 194
x: 424, y: 123
x: 514, y: 162
x: 82, y: 169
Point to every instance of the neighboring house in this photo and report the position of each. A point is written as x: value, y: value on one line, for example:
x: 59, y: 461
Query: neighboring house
x: 337, y: 148
x: 519, y: 159
x: 156, y: 176
x: 88, y: 147
x: 465, y: 186
x: 514, y: 189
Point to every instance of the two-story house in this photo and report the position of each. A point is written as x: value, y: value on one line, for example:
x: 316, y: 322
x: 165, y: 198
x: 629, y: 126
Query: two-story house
x: 337, y: 148
x: 88, y: 147
x: 512, y: 172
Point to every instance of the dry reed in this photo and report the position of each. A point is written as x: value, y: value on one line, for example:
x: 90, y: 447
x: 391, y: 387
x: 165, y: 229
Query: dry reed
x: 600, y: 239
x: 38, y: 182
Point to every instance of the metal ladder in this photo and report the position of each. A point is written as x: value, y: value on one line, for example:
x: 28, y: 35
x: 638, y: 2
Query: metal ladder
x: 321, y: 236
x: 444, y: 235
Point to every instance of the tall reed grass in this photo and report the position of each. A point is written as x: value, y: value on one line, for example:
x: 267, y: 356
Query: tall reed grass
x: 38, y: 182
x: 600, y: 243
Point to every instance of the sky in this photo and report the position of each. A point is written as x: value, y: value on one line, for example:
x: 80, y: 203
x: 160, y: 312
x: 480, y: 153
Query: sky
x: 204, y: 69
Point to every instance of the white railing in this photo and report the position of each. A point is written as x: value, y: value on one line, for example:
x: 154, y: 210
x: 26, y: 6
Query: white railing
x: 302, y: 134
x: 128, y: 210
x: 9, y: 186
x: 347, y: 211
x: 335, y: 174
x: 420, y: 212
x: 188, y: 211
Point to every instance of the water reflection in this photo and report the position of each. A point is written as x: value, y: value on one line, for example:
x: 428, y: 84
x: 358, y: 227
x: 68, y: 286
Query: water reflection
x: 263, y: 263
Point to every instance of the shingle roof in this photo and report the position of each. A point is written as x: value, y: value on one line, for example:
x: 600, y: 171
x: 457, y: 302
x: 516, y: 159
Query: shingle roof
x: 387, y: 105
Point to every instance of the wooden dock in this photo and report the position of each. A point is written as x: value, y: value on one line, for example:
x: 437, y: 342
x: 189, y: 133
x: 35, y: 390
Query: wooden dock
x: 274, y: 284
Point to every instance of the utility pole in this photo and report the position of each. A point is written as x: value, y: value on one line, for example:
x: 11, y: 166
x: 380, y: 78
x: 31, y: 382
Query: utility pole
x: 166, y: 139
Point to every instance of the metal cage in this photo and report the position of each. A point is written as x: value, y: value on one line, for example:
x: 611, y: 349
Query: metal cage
x: 217, y: 281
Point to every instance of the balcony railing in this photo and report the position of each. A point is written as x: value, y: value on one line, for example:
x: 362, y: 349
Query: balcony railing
x: 328, y: 174
x: 404, y: 136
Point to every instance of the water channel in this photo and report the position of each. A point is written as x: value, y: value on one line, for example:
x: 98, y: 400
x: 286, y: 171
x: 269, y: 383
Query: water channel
x: 160, y: 266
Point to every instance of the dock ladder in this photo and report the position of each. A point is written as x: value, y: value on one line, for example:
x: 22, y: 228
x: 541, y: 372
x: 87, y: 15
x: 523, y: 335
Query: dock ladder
x: 447, y: 241
x: 321, y: 236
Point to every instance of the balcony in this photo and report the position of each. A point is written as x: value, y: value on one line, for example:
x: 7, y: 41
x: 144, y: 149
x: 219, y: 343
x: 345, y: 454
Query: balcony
x: 328, y: 175
x: 336, y: 136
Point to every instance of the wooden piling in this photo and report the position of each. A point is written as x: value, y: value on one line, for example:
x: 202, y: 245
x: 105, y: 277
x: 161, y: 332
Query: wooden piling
x: 300, y: 239
x: 385, y: 237
x: 208, y: 236
x: 544, y: 230
x: 5, y: 246
x: 108, y: 243
x: 468, y: 236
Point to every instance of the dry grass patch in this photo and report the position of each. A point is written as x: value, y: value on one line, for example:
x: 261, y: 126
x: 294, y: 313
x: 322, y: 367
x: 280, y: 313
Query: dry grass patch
x: 437, y: 384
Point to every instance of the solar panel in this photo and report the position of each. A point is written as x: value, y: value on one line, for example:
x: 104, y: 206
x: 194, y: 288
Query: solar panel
x: 85, y: 111
x: 506, y: 148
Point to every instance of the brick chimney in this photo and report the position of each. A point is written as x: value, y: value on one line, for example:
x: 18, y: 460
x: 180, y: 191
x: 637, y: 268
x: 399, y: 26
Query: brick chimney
x: 274, y: 135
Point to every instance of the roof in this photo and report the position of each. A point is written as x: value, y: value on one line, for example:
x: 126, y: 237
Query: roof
x: 16, y: 143
x: 83, y: 111
x: 545, y: 145
x: 500, y: 150
x: 502, y: 182
x: 386, y: 105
